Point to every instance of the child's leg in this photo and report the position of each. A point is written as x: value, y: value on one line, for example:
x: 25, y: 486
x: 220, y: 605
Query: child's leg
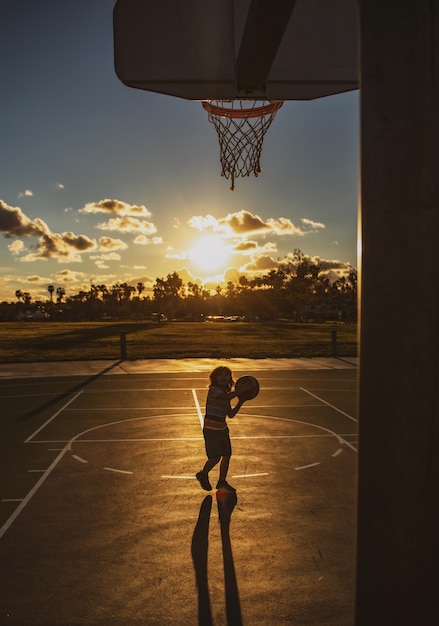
x: 203, y: 476
x: 210, y: 463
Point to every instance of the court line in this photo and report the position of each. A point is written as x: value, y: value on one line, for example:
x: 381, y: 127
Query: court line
x: 197, y: 406
x: 146, y: 439
x: 340, y: 438
x: 78, y: 458
x: 179, y: 477
x: 330, y: 405
x: 249, y: 475
x: 278, y: 387
x: 45, y: 473
x: 233, y: 476
x: 331, y: 433
x: 121, y: 440
x: 32, y: 492
x: 76, y: 439
x: 27, y: 395
x: 117, y: 471
x: 307, y: 466
x: 53, y: 417
x: 184, y: 408
x: 135, y: 408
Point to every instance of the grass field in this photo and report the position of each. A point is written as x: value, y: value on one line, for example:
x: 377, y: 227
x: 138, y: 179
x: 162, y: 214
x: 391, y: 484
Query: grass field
x: 22, y: 342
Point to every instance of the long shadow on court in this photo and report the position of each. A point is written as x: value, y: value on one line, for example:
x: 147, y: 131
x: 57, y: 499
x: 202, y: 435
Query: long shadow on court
x: 226, y: 502
x: 53, y: 401
x: 199, y: 550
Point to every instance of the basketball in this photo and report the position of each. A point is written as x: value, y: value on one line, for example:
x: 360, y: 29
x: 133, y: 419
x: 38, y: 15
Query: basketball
x: 247, y: 386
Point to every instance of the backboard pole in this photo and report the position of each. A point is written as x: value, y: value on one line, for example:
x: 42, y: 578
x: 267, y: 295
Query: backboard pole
x: 398, y: 502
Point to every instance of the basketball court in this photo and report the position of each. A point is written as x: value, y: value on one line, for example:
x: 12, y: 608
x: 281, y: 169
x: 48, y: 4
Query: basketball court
x: 101, y: 519
x: 103, y: 522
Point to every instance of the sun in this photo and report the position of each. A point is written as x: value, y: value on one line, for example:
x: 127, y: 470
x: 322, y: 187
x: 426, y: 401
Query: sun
x: 210, y: 253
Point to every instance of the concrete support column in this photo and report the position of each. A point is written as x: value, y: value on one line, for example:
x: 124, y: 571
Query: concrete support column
x: 398, y: 527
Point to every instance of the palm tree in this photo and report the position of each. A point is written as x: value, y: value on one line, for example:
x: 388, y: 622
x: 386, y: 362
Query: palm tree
x: 104, y: 291
x: 60, y: 293
x: 19, y: 295
x: 140, y: 288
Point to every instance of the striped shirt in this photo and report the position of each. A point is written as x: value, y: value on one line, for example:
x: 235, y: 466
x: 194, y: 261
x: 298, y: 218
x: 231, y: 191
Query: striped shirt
x: 217, y: 409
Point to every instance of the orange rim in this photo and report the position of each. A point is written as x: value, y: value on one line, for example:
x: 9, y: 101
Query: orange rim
x: 266, y: 109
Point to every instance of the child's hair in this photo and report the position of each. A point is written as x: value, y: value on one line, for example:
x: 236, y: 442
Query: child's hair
x: 219, y: 370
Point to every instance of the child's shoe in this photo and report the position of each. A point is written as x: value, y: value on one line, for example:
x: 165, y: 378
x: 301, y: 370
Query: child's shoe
x: 204, y: 481
x: 223, y: 484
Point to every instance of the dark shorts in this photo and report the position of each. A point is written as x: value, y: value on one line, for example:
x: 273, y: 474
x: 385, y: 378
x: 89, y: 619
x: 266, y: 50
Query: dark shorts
x: 217, y: 442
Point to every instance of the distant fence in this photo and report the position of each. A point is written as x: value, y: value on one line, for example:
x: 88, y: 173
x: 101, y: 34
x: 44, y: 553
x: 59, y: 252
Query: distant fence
x: 124, y: 356
x: 26, y: 342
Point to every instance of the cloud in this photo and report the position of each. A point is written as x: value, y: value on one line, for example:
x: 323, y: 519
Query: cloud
x: 241, y: 223
x: 14, y: 223
x: 244, y: 223
x: 332, y: 268
x: 252, y: 247
x: 65, y: 246
x: 313, y: 225
x: 26, y: 193
x: 128, y: 224
x: 64, y: 276
x: 204, y: 222
x: 69, y: 276
x: 187, y: 276
x: 260, y: 263
x: 180, y: 256
x: 332, y: 264
x: 143, y: 240
x: 107, y: 256
x: 284, y: 226
x: 263, y: 263
x: 109, y: 243
x: 232, y: 274
x: 116, y: 207
x: 34, y: 279
x: 324, y: 264
x: 245, y: 247
x: 16, y: 246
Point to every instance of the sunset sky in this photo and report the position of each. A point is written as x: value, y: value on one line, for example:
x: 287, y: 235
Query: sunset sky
x: 100, y: 183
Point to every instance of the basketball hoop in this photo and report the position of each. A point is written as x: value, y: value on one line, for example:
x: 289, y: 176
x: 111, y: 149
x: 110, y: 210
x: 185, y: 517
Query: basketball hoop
x: 241, y: 126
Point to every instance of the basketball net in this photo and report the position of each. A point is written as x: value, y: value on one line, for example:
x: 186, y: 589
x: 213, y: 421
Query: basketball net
x: 241, y: 126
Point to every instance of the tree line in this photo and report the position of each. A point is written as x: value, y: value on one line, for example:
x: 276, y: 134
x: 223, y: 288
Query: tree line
x: 298, y: 290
